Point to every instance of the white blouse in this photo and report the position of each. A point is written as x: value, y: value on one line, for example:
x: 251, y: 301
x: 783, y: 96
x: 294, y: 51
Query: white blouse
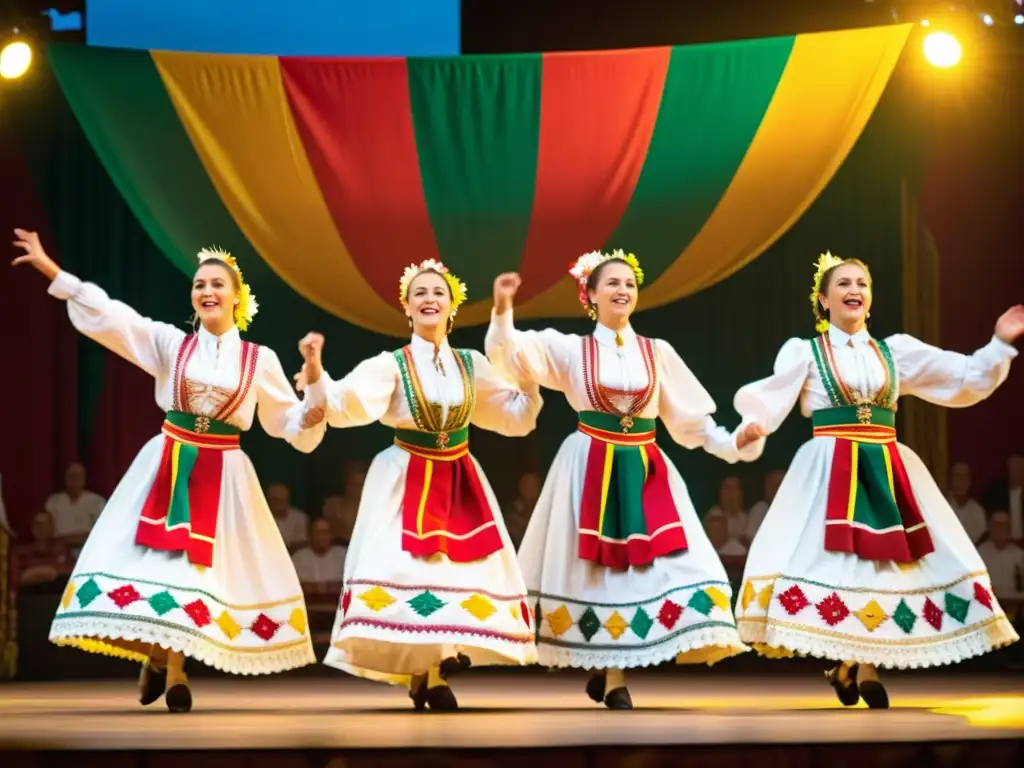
x: 555, y: 360
x: 212, y: 374
x: 930, y: 373
x: 373, y: 392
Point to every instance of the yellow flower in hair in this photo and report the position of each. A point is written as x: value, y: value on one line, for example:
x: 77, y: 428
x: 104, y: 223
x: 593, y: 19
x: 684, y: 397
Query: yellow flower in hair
x: 247, y: 305
x: 456, y: 286
x: 826, y: 261
x: 584, y: 267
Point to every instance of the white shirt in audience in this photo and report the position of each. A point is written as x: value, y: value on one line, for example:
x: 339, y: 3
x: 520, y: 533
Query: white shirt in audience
x: 972, y: 517
x: 755, y: 517
x: 732, y: 548
x: 737, y: 521
x: 320, y: 569
x: 1003, y: 566
x: 72, y: 517
x: 294, y: 527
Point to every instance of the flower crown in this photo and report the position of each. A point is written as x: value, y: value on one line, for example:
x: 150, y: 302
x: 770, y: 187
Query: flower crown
x: 247, y: 306
x: 584, y: 266
x: 826, y: 261
x: 457, y: 287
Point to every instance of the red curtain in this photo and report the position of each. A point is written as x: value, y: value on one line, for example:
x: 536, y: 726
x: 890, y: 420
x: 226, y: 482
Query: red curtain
x: 40, y: 419
x: 973, y: 199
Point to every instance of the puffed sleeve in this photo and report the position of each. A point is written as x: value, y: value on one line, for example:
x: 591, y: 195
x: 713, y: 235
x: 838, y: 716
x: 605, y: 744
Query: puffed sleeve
x: 501, y: 406
x: 364, y: 395
x: 281, y: 413
x: 950, y: 378
x: 149, y: 344
x: 543, y: 357
x: 685, y: 408
x: 769, y: 401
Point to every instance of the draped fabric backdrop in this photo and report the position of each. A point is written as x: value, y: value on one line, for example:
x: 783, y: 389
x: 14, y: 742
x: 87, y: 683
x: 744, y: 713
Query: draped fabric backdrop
x: 336, y: 173
x: 96, y: 222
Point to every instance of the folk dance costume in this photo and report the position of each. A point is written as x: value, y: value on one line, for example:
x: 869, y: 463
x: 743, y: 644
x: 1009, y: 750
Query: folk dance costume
x: 860, y: 558
x: 431, y: 574
x: 186, y: 554
x: 619, y: 569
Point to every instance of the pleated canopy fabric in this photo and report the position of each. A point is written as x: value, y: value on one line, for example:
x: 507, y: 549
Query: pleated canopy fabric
x: 338, y: 173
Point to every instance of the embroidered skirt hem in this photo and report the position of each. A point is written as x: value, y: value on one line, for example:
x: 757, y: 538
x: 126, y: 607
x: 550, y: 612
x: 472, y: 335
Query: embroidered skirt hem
x: 125, y: 638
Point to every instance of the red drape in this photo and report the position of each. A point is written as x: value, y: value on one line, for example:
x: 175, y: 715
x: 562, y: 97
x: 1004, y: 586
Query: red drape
x: 40, y: 419
x: 972, y: 199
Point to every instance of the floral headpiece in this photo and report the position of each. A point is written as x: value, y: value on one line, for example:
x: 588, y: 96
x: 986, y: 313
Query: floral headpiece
x: 457, y: 287
x: 584, y: 266
x: 825, y: 262
x: 247, y: 306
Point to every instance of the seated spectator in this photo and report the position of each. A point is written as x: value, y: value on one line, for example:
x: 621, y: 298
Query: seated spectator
x: 75, y: 509
x: 517, y: 514
x: 730, y: 504
x: 969, y: 510
x: 293, y: 523
x: 1003, y: 558
x: 1007, y: 494
x: 321, y: 564
x: 46, y: 560
x: 755, y: 517
x: 340, y: 510
x: 729, y: 548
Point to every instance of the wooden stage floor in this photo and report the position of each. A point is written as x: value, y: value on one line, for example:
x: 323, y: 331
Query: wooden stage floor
x: 504, y: 711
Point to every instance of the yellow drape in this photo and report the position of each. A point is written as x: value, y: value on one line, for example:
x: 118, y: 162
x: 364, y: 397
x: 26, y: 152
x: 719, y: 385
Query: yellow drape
x: 236, y: 113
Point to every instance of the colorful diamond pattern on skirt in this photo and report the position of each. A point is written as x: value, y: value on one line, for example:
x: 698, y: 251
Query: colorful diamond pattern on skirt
x: 479, y: 607
x: 702, y: 601
x: 426, y: 603
x: 163, y: 602
x: 833, y: 610
x: 124, y: 595
x: 641, y: 623
x: 616, y: 625
x: 589, y: 623
x: 199, y: 613
x: 264, y: 627
x: 872, y: 616
x: 127, y: 596
x: 88, y: 592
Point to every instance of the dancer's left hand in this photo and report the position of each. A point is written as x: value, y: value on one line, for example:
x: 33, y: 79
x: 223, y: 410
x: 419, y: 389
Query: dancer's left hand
x: 750, y: 434
x: 310, y: 348
x: 1010, y: 326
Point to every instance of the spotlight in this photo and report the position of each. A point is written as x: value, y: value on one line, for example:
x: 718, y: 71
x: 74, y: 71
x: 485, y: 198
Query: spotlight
x: 15, y: 59
x: 987, y: 20
x: 942, y: 49
x: 1018, y: 19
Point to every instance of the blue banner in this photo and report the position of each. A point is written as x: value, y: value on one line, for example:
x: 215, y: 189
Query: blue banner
x: 273, y: 28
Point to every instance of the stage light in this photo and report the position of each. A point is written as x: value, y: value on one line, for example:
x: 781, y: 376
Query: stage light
x: 987, y: 20
x: 15, y: 59
x: 1019, y: 18
x: 942, y: 49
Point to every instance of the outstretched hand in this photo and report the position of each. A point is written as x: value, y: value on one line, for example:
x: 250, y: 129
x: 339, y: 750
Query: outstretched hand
x: 750, y: 434
x: 505, y: 287
x: 34, y: 254
x: 1010, y: 326
x: 310, y: 348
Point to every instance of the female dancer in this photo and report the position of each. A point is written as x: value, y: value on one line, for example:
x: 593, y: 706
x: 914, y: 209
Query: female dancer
x: 186, y: 559
x: 431, y: 579
x: 614, y: 556
x: 860, y: 558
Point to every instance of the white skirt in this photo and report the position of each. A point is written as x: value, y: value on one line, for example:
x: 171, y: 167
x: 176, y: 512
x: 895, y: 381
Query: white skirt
x: 597, y: 617
x: 244, y: 615
x: 400, y: 615
x: 799, y: 598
